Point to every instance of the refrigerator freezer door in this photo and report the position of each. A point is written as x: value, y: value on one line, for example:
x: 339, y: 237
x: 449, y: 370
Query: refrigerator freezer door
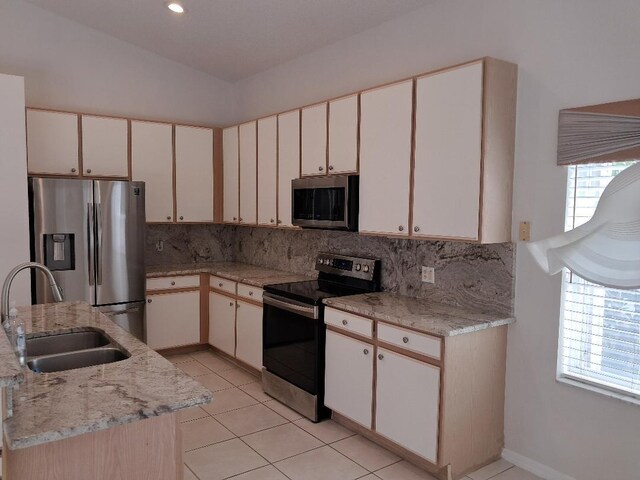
x: 61, y: 233
x: 120, y: 227
x: 129, y: 316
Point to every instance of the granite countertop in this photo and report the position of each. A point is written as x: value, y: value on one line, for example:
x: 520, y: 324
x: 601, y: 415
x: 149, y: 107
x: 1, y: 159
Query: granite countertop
x: 54, y: 406
x: 418, y: 313
x: 238, y: 272
x: 10, y: 370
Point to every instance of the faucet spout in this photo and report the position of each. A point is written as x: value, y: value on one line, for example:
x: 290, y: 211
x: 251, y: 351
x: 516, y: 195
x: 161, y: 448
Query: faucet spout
x: 6, y: 286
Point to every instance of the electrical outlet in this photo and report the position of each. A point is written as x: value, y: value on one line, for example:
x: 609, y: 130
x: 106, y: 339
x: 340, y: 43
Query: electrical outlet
x: 428, y: 274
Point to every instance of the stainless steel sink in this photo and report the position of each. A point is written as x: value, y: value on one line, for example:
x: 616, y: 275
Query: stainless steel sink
x: 80, y: 359
x: 58, y: 351
x: 65, y: 342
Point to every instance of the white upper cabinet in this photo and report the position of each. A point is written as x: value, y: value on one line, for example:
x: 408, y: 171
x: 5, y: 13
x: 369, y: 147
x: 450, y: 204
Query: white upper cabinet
x: 194, y: 174
x: 448, y: 151
x: 385, y: 158
x: 52, y: 142
x: 105, y: 146
x: 314, y: 140
x: 288, y: 162
x: 343, y: 135
x: 152, y: 162
x: 230, y: 160
x: 248, y: 173
x: 267, y: 170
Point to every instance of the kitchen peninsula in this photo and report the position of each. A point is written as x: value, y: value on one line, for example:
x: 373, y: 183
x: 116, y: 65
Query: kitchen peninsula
x: 115, y: 420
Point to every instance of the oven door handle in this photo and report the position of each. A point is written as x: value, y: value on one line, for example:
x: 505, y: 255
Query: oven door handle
x: 291, y: 305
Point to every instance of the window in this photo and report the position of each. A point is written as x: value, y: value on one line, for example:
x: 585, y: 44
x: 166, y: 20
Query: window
x: 600, y: 327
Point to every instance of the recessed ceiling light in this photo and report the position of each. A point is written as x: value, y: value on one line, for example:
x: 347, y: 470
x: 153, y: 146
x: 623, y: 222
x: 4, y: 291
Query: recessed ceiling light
x: 175, y: 7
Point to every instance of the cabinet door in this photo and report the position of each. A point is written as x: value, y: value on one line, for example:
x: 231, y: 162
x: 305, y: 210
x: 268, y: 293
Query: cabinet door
x: 407, y: 403
x: 105, y: 146
x: 194, y: 174
x: 448, y: 153
x: 52, y: 142
x: 349, y: 377
x: 288, y: 162
x: 248, y: 173
x: 385, y: 158
x: 230, y: 174
x: 343, y: 135
x: 222, y: 323
x: 173, y: 319
x: 267, y: 170
x: 249, y: 334
x: 152, y: 162
x: 314, y: 140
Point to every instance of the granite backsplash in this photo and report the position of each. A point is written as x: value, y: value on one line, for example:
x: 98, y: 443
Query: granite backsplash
x: 467, y: 275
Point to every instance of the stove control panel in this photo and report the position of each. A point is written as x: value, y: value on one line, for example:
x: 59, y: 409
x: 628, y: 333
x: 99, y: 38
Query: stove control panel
x: 344, y: 265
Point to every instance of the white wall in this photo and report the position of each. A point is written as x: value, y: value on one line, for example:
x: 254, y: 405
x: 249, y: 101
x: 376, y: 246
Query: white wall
x: 14, y: 225
x: 570, y: 53
x: 69, y: 66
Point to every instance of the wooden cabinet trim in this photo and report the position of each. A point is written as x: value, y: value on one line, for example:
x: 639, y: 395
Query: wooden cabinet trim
x: 169, y: 291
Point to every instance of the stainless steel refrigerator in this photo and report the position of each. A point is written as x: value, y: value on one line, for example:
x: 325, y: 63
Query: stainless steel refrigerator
x: 90, y: 233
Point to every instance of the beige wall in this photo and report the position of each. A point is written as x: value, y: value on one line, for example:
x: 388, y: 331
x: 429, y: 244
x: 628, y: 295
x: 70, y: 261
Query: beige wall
x: 14, y: 226
x: 570, y: 53
x: 69, y: 66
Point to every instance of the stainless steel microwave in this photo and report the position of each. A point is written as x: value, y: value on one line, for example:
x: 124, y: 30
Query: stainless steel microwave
x: 329, y: 202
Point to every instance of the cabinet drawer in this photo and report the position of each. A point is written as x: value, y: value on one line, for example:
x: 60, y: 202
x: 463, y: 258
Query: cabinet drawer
x: 252, y: 293
x: 223, y: 284
x: 348, y: 322
x: 416, y: 342
x: 167, y: 283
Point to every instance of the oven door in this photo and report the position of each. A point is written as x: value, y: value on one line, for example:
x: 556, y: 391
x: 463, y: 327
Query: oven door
x: 293, y: 342
x: 325, y: 202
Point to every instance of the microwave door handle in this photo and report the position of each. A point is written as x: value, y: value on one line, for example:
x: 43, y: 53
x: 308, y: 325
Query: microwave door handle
x: 286, y: 304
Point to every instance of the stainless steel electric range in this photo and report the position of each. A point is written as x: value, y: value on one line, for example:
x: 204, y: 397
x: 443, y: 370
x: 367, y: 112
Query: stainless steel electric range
x: 294, y: 330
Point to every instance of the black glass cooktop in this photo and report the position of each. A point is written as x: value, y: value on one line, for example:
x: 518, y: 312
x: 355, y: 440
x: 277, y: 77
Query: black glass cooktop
x: 313, y: 291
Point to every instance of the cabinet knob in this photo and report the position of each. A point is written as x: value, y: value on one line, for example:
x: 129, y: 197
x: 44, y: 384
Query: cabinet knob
x: 401, y: 228
x: 416, y: 229
x: 279, y: 222
x: 320, y: 169
x: 73, y: 170
x: 168, y: 217
x: 366, y: 351
x: 272, y: 220
x: 234, y: 219
x: 380, y: 356
x: 88, y: 170
x: 240, y: 218
x: 405, y: 339
x: 231, y: 304
x: 149, y: 300
x: 330, y: 167
x: 181, y: 217
x: 173, y: 283
x: 251, y: 294
x: 344, y: 322
x: 220, y: 284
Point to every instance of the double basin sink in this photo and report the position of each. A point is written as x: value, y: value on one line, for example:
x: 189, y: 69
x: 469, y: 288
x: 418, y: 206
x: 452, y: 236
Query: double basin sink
x: 59, y: 351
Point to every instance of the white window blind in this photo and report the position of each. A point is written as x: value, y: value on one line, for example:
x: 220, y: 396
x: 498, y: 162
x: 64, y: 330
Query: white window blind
x: 600, y: 327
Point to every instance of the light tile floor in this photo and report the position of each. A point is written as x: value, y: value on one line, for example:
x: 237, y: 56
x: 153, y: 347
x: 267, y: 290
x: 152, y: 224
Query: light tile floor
x: 246, y: 435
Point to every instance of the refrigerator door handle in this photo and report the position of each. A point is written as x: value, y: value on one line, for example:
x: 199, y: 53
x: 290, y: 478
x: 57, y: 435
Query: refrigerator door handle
x: 91, y: 246
x: 99, y: 243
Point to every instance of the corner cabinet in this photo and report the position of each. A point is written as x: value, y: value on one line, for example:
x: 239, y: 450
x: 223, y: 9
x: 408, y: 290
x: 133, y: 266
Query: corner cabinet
x: 385, y: 159
x: 464, y: 142
x: 437, y: 401
x: 152, y: 163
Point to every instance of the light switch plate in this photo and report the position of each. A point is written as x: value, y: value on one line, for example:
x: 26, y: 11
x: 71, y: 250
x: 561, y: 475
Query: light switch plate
x: 524, y: 231
x: 428, y: 274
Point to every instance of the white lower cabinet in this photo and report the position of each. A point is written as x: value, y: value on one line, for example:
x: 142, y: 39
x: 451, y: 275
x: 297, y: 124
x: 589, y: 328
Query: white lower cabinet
x: 173, y: 319
x: 249, y: 334
x: 407, y: 402
x: 349, y: 377
x: 222, y: 322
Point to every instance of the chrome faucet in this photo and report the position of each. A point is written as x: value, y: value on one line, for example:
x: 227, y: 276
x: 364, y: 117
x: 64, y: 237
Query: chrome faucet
x: 6, y: 286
